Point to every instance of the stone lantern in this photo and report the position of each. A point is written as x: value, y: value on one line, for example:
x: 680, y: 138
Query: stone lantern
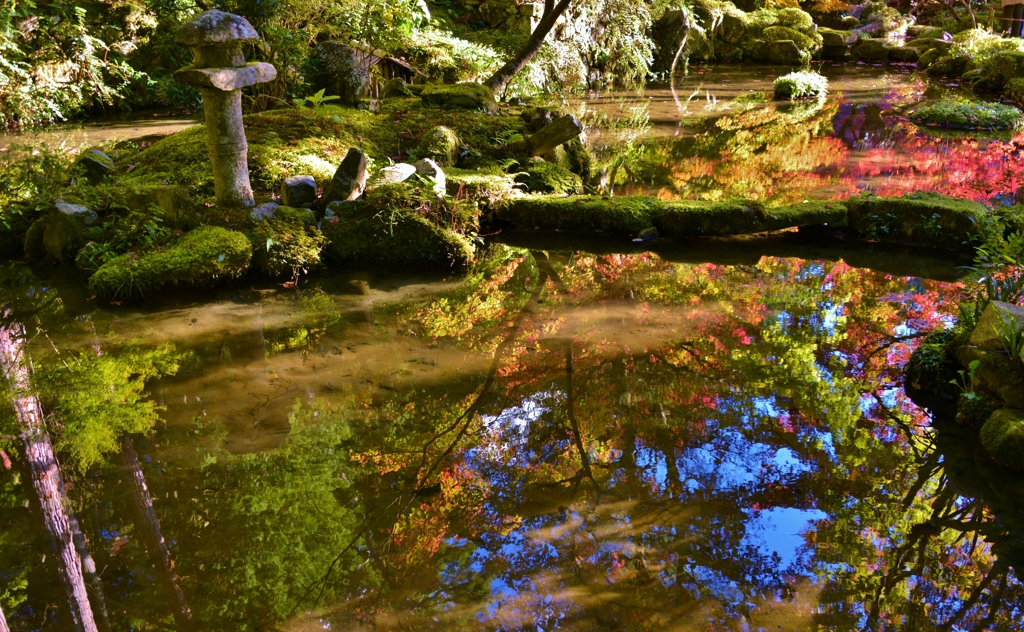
x: 219, y: 71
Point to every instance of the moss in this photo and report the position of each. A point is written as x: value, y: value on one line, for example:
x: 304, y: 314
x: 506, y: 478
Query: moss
x: 547, y: 177
x: 1003, y: 437
x: 780, y: 33
x: 963, y: 114
x: 442, y: 145
x: 314, y: 141
x: 492, y: 185
x: 737, y: 217
x: 797, y: 85
x: 200, y: 258
x: 924, y: 219
x: 795, y: 18
x: 460, y: 96
x: 383, y: 230
x: 287, y: 242
x: 627, y: 215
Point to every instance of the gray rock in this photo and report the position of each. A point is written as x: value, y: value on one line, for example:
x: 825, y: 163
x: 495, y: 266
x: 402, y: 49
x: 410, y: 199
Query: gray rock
x: 395, y: 173
x: 349, y: 180
x: 267, y: 210
x: 62, y: 226
x: 395, y: 87
x: 998, y: 319
x: 96, y: 164
x: 298, y: 191
x: 427, y: 168
x: 342, y: 71
x: 562, y: 129
x: 786, y: 53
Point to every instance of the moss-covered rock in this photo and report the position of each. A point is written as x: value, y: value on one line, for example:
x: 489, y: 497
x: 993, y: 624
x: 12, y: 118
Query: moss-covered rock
x: 924, y: 219
x: 460, y: 96
x: 287, y: 243
x: 780, y: 33
x: 787, y: 53
x: 797, y: 85
x: 835, y: 43
x: 479, y: 184
x: 171, y: 204
x: 974, y: 409
x: 441, y: 144
x: 359, y: 232
x: 867, y: 49
x: 548, y: 177
x: 1003, y: 437
x: 738, y: 217
x: 203, y: 257
x: 626, y: 216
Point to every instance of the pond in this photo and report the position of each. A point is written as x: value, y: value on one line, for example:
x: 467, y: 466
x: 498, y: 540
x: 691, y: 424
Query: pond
x: 721, y: 139
x: 711, y: 438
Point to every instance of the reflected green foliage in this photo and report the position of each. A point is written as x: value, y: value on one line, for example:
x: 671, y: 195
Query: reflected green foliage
x: 97, y: 397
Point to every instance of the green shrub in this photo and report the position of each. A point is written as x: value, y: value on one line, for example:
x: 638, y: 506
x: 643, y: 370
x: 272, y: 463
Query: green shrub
x: 797, y: 85
x: 287, y: 243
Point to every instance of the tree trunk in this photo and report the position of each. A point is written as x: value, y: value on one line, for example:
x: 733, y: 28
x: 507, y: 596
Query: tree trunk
x: 148, y: 526
x: 46, y: 477
x: 3, y: 621
x: 500, y: 79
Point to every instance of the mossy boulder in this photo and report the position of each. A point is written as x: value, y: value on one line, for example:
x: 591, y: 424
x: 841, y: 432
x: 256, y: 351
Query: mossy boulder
x: 795, y: 18
x: 287, y: 243
x: 203, y: 257
x: 787, y: 53
x: 549, y: 177
x: 797, y: 85
x: 385, y: 228
x: 923, y: 219
x: 442, y: 145
x: 780, y: 33
x: 172, y: 204
x: 460, y: 96
x: 1003, y: 437
x: 479, y: 184
x: 867, y: 49
x: 63, y: 224
x: 739, y: 217
x: 624, y: 216
x: 835, y: 44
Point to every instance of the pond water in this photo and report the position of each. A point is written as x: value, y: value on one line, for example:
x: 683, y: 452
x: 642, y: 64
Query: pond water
x: 720, y: 141
x: 104, y: 129
x: 702, y: 438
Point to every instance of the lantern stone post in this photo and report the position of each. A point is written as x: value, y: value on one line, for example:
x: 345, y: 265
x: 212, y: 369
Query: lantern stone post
x: 219, y: 71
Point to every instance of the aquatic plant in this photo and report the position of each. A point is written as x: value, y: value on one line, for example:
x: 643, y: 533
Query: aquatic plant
x: 801, y: 84
x: 965, y: 114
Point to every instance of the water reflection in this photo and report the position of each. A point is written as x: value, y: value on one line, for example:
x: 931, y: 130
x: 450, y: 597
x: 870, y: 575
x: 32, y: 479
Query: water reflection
x: 725, y: 144
x: 560, y: 440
